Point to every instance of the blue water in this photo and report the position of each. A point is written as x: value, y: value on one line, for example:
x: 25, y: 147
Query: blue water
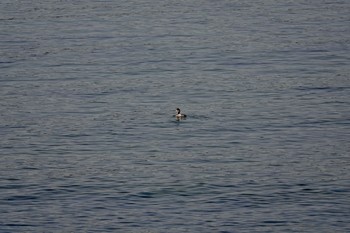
x: 88, y: 90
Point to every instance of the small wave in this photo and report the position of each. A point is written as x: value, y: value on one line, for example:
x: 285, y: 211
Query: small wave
x: 329, y: 89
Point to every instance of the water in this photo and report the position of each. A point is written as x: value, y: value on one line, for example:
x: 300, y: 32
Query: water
x: 89, y: 142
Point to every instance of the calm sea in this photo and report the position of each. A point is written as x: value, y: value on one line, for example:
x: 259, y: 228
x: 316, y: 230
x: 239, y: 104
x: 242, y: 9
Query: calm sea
x: 89, y: 143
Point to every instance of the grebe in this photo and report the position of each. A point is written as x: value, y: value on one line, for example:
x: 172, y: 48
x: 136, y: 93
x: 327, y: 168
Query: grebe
x: 179, y: 115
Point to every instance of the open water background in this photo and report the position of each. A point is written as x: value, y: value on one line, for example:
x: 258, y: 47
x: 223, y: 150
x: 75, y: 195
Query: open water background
x: 88, y: 138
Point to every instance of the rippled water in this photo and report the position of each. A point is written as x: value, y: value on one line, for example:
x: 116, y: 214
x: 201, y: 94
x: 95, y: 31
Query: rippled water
x: 88, y: 90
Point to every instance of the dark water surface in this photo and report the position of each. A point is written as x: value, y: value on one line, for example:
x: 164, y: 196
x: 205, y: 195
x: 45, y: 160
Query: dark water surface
x: 88, y: 90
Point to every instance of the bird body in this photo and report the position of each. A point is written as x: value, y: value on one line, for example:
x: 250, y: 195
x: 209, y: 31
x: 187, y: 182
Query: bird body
x: 179, y: 115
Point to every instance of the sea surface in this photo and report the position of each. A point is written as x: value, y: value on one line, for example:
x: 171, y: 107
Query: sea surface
x: 88, y: 137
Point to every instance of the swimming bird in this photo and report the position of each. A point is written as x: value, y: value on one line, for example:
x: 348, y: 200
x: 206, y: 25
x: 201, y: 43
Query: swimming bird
x: 179, y: 115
